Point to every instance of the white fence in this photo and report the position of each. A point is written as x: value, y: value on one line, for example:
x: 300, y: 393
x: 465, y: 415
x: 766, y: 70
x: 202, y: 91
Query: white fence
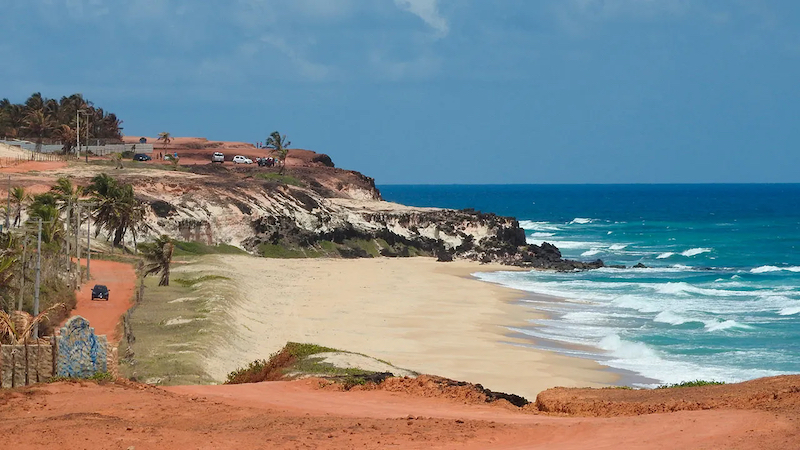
x: 95, y: 149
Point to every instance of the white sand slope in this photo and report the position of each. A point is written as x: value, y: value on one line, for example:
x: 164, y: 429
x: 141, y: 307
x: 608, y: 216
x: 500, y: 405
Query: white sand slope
x: 9, y: 151
x: 414, y: 312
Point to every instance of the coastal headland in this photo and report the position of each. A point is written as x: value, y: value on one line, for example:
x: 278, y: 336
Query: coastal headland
x: 315, y: 256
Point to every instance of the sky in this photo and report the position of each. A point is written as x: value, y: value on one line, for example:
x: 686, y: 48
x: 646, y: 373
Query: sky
x: 440, y: 91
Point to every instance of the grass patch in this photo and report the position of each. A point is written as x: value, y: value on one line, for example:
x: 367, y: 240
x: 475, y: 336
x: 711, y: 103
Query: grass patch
x: 190, y: 282
x: 100, y: 377
x: 372, y: 247
x: 174, y: 326
x: 184, y: 248
x: 283, y: 179
x: 694, y: 383
x: 268, y: 250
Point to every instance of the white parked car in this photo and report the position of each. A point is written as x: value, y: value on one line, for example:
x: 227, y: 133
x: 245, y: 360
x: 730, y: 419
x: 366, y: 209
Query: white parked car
x: 218, y: 157
x: 239, y: 159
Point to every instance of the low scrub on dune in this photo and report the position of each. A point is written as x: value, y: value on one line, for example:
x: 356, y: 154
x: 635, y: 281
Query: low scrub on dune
x: 184, y: 248
x: 296, y: 360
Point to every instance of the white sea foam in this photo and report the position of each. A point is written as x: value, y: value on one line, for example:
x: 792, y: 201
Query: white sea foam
x: 665, y: 255
x: 568, y: 245
x: 672, y: 318
x: 696, y: 251
x: 538, y: 226
x: 767, y: 269
x: 580, y: 221
x: 719, y: 325
x: 592, y: 252
x: 617, y: 246
x: 542, y: 235
x: 789, y: 311
x: 640, y: 358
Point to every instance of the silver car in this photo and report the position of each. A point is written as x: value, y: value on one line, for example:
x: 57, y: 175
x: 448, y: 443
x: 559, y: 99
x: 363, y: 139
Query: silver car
x: 218, y: 157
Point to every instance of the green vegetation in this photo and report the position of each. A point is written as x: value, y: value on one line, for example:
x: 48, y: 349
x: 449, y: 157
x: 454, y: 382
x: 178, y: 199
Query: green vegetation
x: 41, y: 118
x: 280, y: 178
x: 175, y: 326
x: 99, y: 377
x: 116, y: 208
x: 280, y: 147
x: 281, y: 251
x: 159, y: 258
x: 190, y: 282
x: 297, y: 360
x: 183, y: 248
x: 166, y: 137
x: 694, y: 383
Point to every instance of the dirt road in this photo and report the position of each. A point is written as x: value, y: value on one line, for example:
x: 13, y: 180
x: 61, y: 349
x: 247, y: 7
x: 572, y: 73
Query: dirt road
x: 104, y: 316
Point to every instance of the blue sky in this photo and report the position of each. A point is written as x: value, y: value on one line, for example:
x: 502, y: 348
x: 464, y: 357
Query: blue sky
x: 440, y: 91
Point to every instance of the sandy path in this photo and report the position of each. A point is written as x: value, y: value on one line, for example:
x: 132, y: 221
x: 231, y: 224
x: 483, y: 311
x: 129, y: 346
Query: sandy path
x: 105, y: 316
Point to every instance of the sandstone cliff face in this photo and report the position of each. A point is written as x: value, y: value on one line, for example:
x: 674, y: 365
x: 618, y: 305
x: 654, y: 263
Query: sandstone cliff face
x: 337, y: 218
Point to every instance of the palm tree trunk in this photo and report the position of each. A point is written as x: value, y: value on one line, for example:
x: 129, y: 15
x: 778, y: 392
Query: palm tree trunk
x: 118, y: 234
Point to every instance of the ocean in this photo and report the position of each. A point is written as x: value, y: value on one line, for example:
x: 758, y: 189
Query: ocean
x: 719, y: 299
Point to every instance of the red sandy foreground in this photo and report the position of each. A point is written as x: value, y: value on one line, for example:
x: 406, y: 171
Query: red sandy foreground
x: 306, y: 414
x: 294, y: 415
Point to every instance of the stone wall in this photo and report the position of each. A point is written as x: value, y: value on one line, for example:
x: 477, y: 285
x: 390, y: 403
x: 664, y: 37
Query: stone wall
x: 25, y: 364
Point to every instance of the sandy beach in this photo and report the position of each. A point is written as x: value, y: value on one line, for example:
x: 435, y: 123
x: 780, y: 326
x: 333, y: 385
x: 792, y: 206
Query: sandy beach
x: 416, y: 313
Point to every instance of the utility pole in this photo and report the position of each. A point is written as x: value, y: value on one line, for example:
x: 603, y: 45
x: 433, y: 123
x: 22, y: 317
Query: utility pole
x: 78, y: 133
x: 24, y: 265
x: 78, y: 247
x: 88, y: 243
x: 38, y: 276
x: 8, y: 205
x: 69, y: 255
x: 87, y: 138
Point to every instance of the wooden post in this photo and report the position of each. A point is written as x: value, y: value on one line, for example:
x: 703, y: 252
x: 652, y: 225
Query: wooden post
x: 13, y: 366
x: 25, y: 346
x: 54, y: 346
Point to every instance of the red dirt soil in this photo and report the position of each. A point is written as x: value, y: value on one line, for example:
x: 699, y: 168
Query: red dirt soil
x: 104, y: 316
x: 294, y: 415
x: 29, y: 166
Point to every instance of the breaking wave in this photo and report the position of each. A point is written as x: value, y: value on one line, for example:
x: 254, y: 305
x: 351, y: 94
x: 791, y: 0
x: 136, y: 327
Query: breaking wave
x: 695, y: 251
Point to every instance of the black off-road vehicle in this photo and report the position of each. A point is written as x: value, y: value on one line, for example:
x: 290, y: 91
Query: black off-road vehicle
x: 100, y: 292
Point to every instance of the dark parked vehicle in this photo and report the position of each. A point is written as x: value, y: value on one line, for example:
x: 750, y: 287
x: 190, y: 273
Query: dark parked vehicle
x: 100, y: 292
x: 141, y: 157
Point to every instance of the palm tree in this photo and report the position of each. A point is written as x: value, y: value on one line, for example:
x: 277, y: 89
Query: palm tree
x: 280, y: 147
x: 45, y: 206
x: 159, y: 257
x: 40, y: 125
x: 116, y: 208
x: 18, y: 196
x: 166, y: 137
x: 68, y: 138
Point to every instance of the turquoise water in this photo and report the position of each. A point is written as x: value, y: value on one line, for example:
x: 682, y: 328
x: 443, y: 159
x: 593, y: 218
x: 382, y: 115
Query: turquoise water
x: 720, y: 298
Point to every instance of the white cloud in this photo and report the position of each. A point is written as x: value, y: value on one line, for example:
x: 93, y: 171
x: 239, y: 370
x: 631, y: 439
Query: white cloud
x: 428, y: 11
x: 302, y: 65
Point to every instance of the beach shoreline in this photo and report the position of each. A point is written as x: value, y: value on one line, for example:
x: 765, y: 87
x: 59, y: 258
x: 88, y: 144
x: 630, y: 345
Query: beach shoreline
x: 417, y: 313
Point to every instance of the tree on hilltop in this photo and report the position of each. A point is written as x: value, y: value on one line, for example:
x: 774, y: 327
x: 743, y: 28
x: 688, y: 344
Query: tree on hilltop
x: 116, y: 209
x: 166, y: 137
x: 280, y: 147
